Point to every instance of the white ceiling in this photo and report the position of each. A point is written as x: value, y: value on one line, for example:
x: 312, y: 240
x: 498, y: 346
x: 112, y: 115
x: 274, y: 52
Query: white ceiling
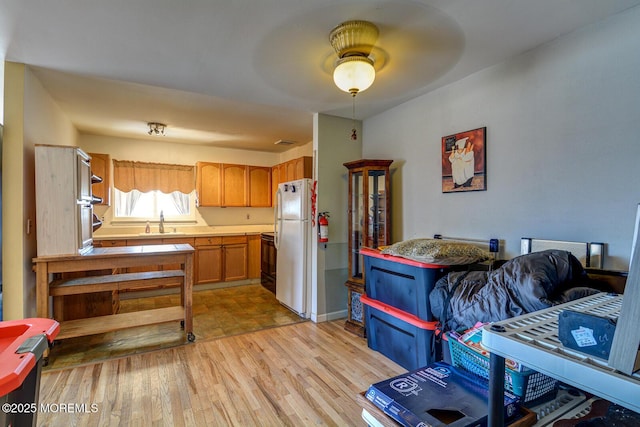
x: 245, y: 73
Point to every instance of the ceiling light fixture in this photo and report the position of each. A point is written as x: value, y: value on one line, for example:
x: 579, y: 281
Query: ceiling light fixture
x: 354, y: 72
x: 156, y: 128
x: 353, y: 41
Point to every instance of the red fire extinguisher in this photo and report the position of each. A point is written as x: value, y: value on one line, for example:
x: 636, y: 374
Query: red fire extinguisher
x: 323, y: 227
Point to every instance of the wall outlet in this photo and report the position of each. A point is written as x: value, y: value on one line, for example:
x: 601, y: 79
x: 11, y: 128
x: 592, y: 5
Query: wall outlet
x: 248, y: 216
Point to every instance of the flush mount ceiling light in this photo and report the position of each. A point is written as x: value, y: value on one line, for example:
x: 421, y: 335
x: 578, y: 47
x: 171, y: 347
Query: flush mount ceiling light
x: 156, y: 128
x: 353, y: 41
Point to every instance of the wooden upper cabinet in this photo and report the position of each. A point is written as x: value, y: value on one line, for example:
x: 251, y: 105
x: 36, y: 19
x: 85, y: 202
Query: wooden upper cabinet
x: 290, y: 170
x: 282, y: 168
x: 299, y: 168
x: 259, y: 186
x: 234, y: 185
x: 221, y: 184
x: 275, y: 180
x: 209, y: 183
x: 303, y: 167
x: 101, y: 166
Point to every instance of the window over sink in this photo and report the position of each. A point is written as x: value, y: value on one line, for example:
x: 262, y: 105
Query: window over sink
x: 143, y: 190
x: 136, y: 205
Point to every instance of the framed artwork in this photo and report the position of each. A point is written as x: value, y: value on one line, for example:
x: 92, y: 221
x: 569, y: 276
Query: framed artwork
x: 464, y: 166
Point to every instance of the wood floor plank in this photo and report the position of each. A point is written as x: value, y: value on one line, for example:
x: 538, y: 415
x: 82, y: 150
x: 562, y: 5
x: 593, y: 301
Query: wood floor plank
x: 297, y: 375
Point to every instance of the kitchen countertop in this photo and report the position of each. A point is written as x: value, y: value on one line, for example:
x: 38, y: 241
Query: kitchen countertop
x: 221, y: 230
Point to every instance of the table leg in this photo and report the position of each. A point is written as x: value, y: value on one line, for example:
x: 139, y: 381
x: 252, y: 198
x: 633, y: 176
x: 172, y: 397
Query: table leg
x: 42, y: 290
x: 496, y: 391
x: 188, y: 293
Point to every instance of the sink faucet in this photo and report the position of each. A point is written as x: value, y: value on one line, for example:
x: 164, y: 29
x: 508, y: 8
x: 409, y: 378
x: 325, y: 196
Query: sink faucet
x: 161, y: 228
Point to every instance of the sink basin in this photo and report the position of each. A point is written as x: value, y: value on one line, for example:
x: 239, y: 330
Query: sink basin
x: 166, y: 233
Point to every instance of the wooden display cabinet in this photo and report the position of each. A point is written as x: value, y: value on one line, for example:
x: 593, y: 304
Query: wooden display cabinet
x: 369, y: 226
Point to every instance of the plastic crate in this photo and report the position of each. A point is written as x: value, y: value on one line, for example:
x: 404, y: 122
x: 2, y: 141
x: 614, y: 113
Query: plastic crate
x: 22, y: 346
x: 566, y: 400
x: 401, y: 283
x: 402, y: 337
x: 531, y: 386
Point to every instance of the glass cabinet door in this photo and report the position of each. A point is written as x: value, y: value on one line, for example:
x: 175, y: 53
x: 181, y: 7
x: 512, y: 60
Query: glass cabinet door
x: 357, y: 223
x: 377, y: 209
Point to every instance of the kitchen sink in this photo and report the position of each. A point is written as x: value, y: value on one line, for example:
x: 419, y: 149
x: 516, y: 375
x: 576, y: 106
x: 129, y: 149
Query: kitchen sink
x: 166, y: 233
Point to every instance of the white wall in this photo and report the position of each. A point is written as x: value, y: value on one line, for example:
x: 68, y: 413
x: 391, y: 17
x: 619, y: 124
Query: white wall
x: 31, y: 117
x: 333, y: 147
x: 563, y: 146
x: 1, y: 90
x: 297, y: 152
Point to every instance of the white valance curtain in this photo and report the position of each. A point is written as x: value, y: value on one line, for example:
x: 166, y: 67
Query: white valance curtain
x: 134, y: 178
x: 145, y: 177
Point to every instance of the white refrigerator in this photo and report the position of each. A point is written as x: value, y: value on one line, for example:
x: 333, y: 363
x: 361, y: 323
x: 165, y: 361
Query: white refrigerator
x: 293, y: 242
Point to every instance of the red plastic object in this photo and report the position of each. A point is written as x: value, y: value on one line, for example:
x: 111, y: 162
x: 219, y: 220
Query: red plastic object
x: 399, y: 314
x: 14, y: 367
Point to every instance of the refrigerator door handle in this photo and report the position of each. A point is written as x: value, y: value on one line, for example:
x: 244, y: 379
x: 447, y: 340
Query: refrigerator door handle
x: 277, y: 217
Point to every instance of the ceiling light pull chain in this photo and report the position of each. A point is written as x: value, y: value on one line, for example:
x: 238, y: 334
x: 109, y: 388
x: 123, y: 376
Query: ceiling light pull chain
x: 354, y: 133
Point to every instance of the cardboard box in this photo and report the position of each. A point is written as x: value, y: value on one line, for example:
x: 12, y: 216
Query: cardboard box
x: 437, y: 395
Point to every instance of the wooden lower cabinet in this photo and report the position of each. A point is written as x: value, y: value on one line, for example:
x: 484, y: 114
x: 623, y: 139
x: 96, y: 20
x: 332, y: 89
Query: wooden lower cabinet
x: 209, y: 264
x: 208, y: 259
x: 235, y: 262
x: 221, y: 259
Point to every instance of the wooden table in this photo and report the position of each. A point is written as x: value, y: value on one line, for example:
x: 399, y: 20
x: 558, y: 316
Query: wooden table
x: 117, y: 259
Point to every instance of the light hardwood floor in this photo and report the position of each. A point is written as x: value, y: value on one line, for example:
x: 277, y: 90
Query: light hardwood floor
x: 296, y: 375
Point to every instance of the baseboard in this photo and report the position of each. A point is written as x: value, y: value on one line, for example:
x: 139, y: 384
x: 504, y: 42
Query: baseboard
x: 328, y: 317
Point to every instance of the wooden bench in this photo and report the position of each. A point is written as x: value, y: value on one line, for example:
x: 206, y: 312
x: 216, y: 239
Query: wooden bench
x: 116, y: 282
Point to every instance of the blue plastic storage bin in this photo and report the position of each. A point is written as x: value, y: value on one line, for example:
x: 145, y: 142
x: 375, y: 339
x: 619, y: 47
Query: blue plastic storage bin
x: 400, y: 282
x: 401, y: 336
